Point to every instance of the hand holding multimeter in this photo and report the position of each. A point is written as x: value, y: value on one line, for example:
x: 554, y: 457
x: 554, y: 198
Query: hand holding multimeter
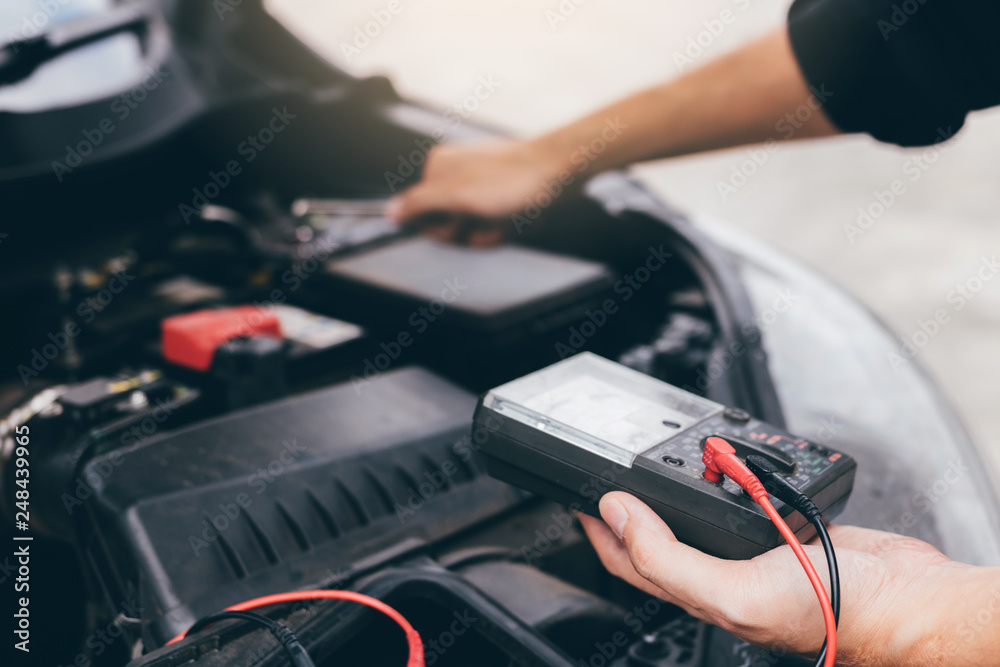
x: 587, y: 426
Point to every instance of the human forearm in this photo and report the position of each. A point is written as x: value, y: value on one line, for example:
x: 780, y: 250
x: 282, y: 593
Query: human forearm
x: 751, y: 95
x: 951, y: 618
x: 739, y: 99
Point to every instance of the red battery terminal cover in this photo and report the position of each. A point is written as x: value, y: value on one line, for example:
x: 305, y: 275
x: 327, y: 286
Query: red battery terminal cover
x: 191, y: 339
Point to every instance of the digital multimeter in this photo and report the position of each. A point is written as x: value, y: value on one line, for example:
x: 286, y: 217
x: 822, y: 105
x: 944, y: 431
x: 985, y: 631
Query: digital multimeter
x: 585, y: 426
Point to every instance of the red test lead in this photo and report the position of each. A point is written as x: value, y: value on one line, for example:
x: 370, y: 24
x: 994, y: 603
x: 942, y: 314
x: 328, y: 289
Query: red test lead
x: 413, y: 641
x: 720, y: 459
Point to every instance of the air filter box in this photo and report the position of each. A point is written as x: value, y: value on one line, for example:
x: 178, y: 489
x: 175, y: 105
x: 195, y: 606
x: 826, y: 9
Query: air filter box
x: 307, y: 491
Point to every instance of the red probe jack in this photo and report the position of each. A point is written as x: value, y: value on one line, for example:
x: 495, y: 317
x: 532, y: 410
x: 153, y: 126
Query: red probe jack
x: 720, y: 459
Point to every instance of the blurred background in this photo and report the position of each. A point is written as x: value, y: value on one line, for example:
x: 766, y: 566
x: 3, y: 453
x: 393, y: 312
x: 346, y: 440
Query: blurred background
x: 549, y: 61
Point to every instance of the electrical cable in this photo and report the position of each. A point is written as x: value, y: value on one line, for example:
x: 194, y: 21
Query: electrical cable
x: 297, y: 653
x: 783, y: 490
x: 720, y: 459
x: 415, y: 644
x: 831, y: 561
x: 817, y: 584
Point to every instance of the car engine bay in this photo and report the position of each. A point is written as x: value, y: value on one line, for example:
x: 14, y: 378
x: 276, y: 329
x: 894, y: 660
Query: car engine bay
x: 212, y: 441
x: 230, y: 376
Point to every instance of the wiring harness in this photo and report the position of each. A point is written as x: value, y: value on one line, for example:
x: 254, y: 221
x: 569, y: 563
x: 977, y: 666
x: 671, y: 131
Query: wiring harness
x: 288, y: 639
x: 284, y: 636
x: 760, y: 480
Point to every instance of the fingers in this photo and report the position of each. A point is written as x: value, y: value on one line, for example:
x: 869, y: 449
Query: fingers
x: 721, y: 592
x: 413, y: 203
x: 695, y: 579
x: 649, y: 557
x: 485, y: 238
x: 441, y: 228
x: 445, y: 226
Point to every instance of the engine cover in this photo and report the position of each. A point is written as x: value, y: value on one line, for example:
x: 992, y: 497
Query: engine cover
x: 308, y: 491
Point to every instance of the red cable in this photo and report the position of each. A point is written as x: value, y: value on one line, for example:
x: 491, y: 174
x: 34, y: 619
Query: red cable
x: 416, y: 645
x: 828, y: 618
x: 720, y: 459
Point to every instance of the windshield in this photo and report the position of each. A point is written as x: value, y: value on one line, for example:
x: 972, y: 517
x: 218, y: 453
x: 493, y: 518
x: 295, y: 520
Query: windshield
x: 88, y: 73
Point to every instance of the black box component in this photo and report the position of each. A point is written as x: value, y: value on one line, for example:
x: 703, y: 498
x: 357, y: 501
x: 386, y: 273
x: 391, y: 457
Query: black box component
x: 488, y: 292
x: 105, y: 399
x: 308, y: 491
x: 586, y: 426
x: 251, y: 370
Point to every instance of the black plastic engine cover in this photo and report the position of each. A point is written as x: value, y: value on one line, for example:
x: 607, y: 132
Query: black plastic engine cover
x: 308, y: 491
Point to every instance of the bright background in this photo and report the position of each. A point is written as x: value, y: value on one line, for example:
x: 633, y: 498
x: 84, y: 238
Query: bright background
x: 934, y: 236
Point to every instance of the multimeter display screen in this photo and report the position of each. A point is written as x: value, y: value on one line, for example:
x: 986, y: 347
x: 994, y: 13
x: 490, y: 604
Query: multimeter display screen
x: 600, y: 406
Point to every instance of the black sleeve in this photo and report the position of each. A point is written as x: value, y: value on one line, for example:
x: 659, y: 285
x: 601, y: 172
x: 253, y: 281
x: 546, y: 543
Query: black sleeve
x: 904, y: 71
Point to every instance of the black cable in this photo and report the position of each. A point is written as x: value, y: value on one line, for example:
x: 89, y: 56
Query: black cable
x: 287, y: 638
x: 831, y: 561
x: 782, y: 489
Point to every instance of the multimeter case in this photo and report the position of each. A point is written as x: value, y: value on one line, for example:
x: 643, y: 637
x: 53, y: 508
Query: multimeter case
x: 586, y: 426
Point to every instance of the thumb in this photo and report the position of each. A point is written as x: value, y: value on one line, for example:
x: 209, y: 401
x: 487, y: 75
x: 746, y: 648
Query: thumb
x: 689, y: 576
